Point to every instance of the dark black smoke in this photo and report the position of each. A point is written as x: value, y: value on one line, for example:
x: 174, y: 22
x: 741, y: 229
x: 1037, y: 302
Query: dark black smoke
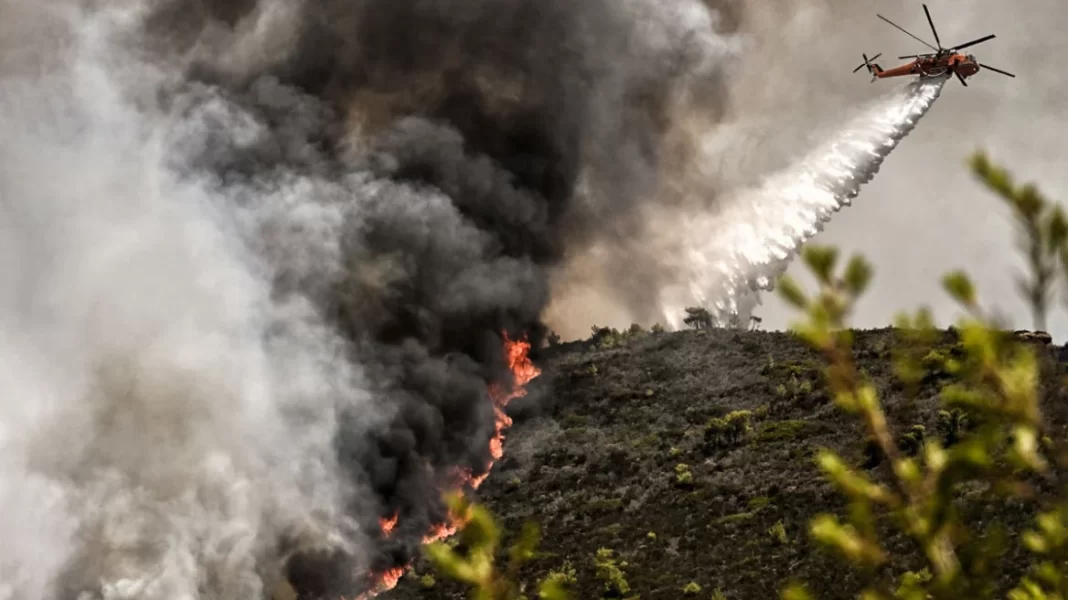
x: 460, y: 131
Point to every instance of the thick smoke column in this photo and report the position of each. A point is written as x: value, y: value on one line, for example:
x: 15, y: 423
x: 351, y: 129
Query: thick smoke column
x: 168, y: 415
x: 741, y: 247
x: 261, y: 258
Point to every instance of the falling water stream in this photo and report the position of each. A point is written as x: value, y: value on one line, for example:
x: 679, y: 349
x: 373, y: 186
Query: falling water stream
x: 743, y: 247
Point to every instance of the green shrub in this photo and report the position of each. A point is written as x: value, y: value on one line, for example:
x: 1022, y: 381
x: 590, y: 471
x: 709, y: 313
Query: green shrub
x: 738, y: 425
x: 912, y: 440
x: 563, y: 577
x: 783, y: 431
x: 698, y: 318
x: 729, y: 430
x: 800, y: 388
x: 611, y: 574
x: 683, y: 475
x: 778, y: 533
x: 716, y: 432
x: 952, y: 425
x: 995, y: 378
x: 609, y: 337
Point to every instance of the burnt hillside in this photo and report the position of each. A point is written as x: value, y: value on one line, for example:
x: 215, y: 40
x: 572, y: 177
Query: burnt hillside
x: 612, y: 450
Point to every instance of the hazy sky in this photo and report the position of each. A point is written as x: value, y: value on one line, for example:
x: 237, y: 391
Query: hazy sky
x: 924, y: 214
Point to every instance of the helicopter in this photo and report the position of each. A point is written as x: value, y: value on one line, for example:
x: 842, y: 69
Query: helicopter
x: 936, y: 64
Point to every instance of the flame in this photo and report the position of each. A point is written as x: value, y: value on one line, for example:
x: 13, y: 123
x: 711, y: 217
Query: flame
x: 387, y: 525
x: 523, y: 372
x: 388, y: 580
x: 384, y: 582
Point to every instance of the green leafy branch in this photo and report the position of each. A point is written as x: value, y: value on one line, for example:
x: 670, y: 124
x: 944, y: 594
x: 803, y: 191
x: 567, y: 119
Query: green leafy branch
x: 996, y: 379
x: 1044, y: 231
x: 476, y: 564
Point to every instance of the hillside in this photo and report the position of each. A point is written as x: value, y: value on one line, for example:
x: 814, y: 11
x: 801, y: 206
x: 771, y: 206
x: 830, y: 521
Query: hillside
x: 595, y: 459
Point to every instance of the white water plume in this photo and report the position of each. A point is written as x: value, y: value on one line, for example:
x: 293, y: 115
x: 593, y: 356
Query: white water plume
x: 743, y: 246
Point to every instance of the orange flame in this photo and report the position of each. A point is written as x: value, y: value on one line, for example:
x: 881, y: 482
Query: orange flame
x: 387, y: 525
x: 384, y: 582
x: 523, y: 372
x: 389, y: 579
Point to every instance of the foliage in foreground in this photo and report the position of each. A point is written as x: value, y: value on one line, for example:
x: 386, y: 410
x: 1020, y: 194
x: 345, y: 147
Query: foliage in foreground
x: 992, y: 436
x: 473, y: 558
x: 995, y: 382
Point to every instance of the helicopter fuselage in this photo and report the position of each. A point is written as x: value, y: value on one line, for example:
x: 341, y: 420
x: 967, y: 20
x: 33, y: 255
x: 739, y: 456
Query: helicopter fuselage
x: 933, y: 66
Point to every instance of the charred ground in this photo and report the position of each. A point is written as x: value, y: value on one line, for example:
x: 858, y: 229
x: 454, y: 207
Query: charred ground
x: 595, y: 459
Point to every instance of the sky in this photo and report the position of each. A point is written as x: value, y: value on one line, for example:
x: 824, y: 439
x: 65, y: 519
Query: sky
x: 924, y: 214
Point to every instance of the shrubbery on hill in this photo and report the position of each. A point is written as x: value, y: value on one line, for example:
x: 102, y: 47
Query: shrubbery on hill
x: 990, y: 433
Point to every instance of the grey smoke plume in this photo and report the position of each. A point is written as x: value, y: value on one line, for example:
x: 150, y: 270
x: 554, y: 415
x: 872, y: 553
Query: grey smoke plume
x: 167, y: 417
x: 260, y: 257
x: 730, y: 253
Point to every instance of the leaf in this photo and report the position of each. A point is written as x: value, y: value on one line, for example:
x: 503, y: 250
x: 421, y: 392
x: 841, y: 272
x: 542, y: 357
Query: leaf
x: 995, y: 178
x: 1025, y: 449
x: 524, y: 549
x: 1034, y: 542
x: 852, y: 483
x: 791, y: 292
x: 960, y: 287
x: 858, y: 275
x: 1056, y: 230
x: 551, y: 589
x: 449, y: 563
x: 827, y: 530
x: 1029, y: 203
x: 796, y: 591
x: 821, y: 259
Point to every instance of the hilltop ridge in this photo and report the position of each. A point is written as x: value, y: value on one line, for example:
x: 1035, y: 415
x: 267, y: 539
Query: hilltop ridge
x: 631, y: 448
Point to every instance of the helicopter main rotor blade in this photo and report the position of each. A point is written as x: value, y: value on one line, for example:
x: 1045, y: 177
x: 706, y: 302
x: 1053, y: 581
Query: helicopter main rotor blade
x: 974, y: 42
x: 962, y: 82
x: 914, y: 56
x: 997, y: 70
x: 906, y: 32
x: 933, y: 30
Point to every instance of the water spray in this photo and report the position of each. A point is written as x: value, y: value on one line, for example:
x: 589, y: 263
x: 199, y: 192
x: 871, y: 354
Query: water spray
x: 743, y: 247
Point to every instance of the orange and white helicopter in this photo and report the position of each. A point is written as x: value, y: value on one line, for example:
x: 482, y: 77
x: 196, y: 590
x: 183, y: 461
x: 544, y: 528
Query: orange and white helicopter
x: 936, y: 64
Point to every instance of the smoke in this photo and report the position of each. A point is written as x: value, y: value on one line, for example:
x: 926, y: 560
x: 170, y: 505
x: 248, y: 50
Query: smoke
x: 924, y: 214
x: 261, y: 255
x: 788, y: 93
x: 169, y: 416
x: 744, y: 246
